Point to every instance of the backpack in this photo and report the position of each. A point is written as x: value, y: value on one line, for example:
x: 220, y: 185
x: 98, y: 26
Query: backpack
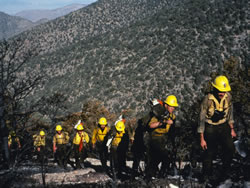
x: 156, y: 109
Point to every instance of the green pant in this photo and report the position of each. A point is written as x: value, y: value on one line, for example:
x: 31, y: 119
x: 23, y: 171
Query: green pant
x: 218, y: 135
x: 158, y: 154
x: 60, y: 154
x: 102, y: 150
x: 118, y: 160
x: 80, y: 156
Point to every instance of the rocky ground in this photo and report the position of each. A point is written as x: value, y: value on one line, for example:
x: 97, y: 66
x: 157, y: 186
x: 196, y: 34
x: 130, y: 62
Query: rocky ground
x: 32, y: 175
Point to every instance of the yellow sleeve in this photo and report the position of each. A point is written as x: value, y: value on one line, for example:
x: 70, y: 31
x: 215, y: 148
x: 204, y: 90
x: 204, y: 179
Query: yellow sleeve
x: 54, y: 139
x: 86, y: 137
x: 66, y: 137
x: 153, y: 120
x: 9, y: 140
x: 35, y: 140
x: 168, y: 127
x: 93, y: 140
x: 43, y: 141
x: 74, y: 140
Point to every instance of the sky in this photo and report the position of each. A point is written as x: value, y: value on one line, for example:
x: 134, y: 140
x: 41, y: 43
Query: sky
x: 13, y: 6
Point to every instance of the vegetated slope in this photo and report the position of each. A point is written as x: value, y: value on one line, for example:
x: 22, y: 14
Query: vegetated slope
x: 93, y: 20
x: 12, y: 25
x: 172, y: 52
x: 36, y: 15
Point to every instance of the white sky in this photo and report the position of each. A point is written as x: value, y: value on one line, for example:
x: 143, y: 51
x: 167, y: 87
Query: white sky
x: 14, y: 6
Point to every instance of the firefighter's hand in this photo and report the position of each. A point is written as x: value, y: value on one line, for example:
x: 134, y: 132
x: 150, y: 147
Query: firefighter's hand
x: 38, y: 149
x: 203, y: 144
x: 169, y: 122
x: 131, y: 140
x: 93, y: 146
x: 233, y: 134
x: 54, y: 149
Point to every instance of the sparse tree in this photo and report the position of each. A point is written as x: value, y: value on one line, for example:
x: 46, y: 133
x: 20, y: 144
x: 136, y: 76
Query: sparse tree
x: 53, y: 106
x: 17, y: 82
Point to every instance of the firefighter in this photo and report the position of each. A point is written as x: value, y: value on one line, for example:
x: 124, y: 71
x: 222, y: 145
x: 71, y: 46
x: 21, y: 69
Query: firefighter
x: 140, y: 144
x: 162, y: 139
x: 98, y: 143
x: 80, y: 143
x: 39, y: 145
x: 216, y: 127
x: 60, y: 141
x: 13, y: 140
x: 14, y: 145
x: 119, y: 148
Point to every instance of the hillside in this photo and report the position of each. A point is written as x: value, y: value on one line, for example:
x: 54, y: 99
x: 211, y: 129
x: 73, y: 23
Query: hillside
x: 93, y: 20
x: 122, y: 52
x: 12, y: 25
x: 36, y: 15
x: 171, y: 52
x: 22, y: 21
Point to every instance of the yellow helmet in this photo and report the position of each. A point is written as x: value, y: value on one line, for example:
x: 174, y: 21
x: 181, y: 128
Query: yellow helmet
x: 103, y: 121
x: 58, y: 128
x: 42, y: 133
x: 221, y: 83
x: 120, y: 126
x: 171, y: 100
x: 79, y: 127
x: 12, y: 133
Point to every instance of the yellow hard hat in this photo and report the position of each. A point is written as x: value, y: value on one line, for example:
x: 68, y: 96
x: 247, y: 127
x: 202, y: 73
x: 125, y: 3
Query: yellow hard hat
x: 42, y: 133
x: 221, y: 83
x: 79, y: 127
x: 12, y: 133
x: 171, y: 100
x: 58, y: 128
x: 103, y: 121
x: 120, y: 126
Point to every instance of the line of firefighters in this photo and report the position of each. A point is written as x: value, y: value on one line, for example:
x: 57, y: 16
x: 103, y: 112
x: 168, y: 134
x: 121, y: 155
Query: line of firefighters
x: 216, y: 128
x: 103, y: 139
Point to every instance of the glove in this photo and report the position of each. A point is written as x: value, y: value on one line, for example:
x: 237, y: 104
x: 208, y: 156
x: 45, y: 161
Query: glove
x: 218, y: 115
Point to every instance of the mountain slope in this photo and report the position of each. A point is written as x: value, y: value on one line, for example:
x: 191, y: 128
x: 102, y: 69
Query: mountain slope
x: 12, y: 25
x: 36, y: 15
x: 95, y: 19
x: 171, y: 52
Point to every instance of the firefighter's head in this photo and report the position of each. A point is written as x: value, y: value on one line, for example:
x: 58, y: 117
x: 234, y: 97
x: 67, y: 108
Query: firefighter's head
x: 171, y: 103
x: 102, y: 122
x: 80, y: 127
x: 59, y: 129
x: 42, y: 133
x: 120, y: 126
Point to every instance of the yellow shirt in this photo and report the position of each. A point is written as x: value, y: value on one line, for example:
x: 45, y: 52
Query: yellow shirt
x: 77, y: 139
x: 161, y: 131
x: 10, y: 140
x: 208, y: 107
x: 39, y: 141
x: 223, y: 105
x: 62, y: 138
x: 99, y: 134
x: 117, y: 139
